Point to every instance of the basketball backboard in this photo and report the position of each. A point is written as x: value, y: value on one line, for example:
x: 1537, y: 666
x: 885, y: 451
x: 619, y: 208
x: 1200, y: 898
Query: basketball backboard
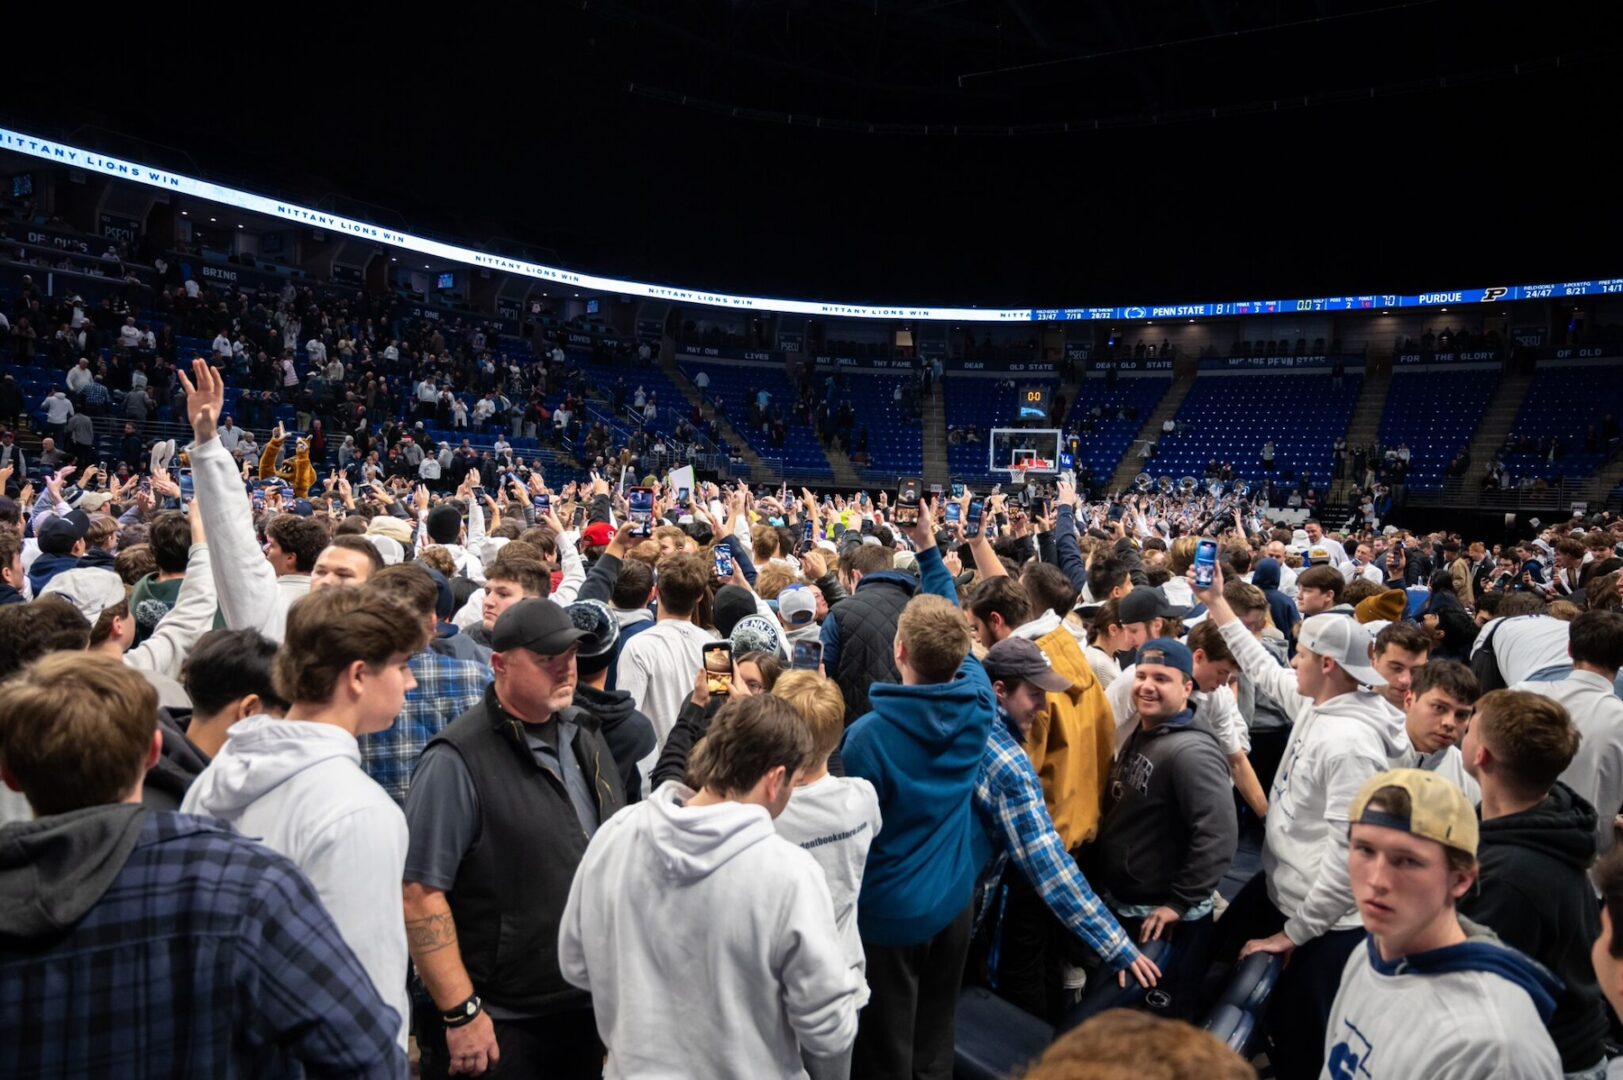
x: 1028, y: 451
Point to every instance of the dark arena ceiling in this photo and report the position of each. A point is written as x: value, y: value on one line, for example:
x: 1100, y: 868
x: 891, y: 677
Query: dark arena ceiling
x: 930, y: 151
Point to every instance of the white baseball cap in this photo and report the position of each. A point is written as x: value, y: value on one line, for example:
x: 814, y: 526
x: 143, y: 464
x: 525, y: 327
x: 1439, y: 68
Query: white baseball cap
x: 797, y: 606
x: 90, y: 589
x: 389, y: 548
x: 1343, y: 640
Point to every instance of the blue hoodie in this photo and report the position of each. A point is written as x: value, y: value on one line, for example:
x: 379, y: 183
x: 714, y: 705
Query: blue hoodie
x: 45, y: 567
x: 1265, y: 575
x: 921, y: 748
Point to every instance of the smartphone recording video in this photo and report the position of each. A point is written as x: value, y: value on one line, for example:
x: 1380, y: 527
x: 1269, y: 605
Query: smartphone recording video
x: 808, y: 656
x: 907, y: 503
x: 718, y: 667
x: 641, y: 503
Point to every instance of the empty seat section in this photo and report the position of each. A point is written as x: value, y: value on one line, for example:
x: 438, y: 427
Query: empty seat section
x: 737, y: 386
x: 1434, y: 412
x: 1563, y: 403
x: 1227, y: 418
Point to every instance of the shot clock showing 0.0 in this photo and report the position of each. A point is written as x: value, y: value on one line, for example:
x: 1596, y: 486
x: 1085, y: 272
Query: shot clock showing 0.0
x: 1033, y: 402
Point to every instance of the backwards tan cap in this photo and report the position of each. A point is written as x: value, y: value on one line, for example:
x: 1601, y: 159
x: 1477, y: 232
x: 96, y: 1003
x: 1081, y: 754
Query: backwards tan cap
x: 1437, y: 809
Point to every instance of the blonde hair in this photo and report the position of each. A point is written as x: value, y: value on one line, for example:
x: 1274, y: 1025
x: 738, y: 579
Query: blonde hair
x: 437, y: 558
x: 935, y: 635
x: 764, y: 541
x: 1182, y: 555
x: 819, y: 702
x: 774, y: 578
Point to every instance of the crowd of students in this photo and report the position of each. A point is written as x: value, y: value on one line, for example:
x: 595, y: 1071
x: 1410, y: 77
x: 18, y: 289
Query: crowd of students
x: 732, y: 782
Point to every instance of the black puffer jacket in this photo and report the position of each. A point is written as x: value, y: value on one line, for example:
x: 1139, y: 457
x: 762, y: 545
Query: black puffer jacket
x: 861, y: 631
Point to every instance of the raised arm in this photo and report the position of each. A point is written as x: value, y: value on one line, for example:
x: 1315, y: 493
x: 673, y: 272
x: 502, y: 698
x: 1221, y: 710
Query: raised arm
x: 243, y: 579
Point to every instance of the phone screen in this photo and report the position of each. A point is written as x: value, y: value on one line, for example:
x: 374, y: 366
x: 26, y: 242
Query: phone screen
x: 641, y: 502
x: 718, y: 667
x: 724, y: 563
x: 972, y: 525
x: 542, y: 503
x: 957, y: 490
x: 954, y: 510
x: 808, y: 655
x: 907, y: 503
x: 478, y: 493
x: 682, y: 495
x: 811, y: 532
x: 1205, y: 563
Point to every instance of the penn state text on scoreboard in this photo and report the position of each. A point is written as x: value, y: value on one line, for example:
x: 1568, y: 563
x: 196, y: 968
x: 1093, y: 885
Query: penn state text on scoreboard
x: 151, y: 176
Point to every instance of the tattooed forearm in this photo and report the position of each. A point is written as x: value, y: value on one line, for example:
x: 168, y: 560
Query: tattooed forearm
x: 430, y: 934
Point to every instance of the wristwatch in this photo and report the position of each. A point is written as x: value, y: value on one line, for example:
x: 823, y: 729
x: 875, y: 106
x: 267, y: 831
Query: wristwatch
x: 463, y: 1013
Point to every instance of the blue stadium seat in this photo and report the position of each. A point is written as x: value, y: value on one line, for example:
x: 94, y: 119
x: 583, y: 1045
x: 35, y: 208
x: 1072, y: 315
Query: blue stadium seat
x: 1253, y: 981
x: 1105, y: 992
x: 1236, y: 1028
x: 1564, y: 402
x: 736, y: 385
x: 1434, y: 412
x: 1111, y: 439
x: 1229, y: 417
x: 993, y: 1039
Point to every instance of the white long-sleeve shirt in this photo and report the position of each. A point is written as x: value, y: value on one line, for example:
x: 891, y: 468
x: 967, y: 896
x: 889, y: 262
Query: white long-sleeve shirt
x: 657, y: 668
x: 1334, y: 747
x: 251, y: 595
x: 171, y: 641
x: 1596, y: 770
x: 57, y: 409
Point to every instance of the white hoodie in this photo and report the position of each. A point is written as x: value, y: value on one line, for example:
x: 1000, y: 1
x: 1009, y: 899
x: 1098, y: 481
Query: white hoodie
x: 298, y: 787
x: 1333, y: 749
x: 671, y: 901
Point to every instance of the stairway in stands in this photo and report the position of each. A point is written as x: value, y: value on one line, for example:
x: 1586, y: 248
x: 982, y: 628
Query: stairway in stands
x: 1491, y: 432
x: 1365, y: 426
x: 759, y: 471
x: 845, y: 473
x: 1130, y: 465
x: 936, y: 470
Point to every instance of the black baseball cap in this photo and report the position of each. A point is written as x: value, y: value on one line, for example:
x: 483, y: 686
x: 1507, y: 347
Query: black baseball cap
x: 538, y: 625
x: 57, y: 535
x: 1017, y: 658
x: 1145, y: 603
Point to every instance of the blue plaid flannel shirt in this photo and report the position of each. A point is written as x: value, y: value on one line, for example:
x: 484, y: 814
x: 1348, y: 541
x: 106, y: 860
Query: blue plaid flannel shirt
x: 446, y: 688
x: 208, y: 955
x: 1009, y: 800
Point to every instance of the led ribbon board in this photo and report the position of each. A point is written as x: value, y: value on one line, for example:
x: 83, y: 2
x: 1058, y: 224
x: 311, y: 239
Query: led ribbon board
x: 137, y: 172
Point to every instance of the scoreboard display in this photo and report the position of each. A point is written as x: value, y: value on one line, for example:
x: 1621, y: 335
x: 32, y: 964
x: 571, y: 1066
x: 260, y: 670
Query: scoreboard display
x: 1033, y: 402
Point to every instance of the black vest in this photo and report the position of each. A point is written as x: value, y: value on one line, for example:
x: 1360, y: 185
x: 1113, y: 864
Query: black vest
x: 511, y: 888
x: 867, y: 622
